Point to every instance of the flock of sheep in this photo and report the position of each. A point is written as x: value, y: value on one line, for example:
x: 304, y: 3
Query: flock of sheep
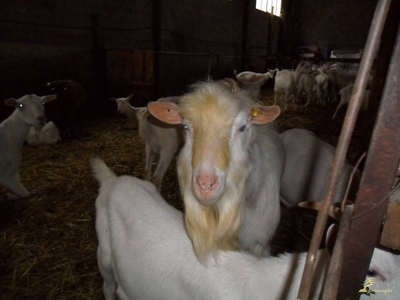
x: 234, y: 172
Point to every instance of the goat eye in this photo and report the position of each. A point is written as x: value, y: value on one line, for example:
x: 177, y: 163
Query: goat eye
x: 242, y: 128
x: 372, y: 273
x: 185, y: 126
x: 20, y: 105
x: 43, y: 102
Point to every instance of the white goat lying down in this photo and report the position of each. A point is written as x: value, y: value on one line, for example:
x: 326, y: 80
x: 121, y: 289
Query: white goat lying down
x: 29, y: 111
x: 308, y: 164
x: 144, y: 253
x: 48, y: 134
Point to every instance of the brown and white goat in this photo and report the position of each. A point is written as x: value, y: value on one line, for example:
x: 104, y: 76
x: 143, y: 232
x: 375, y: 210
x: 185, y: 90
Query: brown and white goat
x: 229, y: 169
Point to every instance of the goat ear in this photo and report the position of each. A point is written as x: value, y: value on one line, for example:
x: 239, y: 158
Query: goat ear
x: 48, y: 98
x: 113, y: 99
x: 167, y: 112
x: 259, y: 114
x: 11, y: 102
x: 129, y: 98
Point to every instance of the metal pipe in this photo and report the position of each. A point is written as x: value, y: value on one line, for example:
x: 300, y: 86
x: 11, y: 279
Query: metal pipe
x: 362, y: 79
x: 335, y: 267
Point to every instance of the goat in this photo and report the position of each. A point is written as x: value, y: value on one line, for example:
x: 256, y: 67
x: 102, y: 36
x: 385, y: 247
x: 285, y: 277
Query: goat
x: 124, y: 108
x: 29, y: 111
x: 160, y: 138
x: 345, y: 95
x: 48, y: 134
x: 285, y: 87
x: 305, y: 79
x: 66, y: 112
x: 338, y: 79
x: 229, y: 169
x: 254, y: 81
x: 321, y: 88
x: 144, y: 253
x: 307, y: 168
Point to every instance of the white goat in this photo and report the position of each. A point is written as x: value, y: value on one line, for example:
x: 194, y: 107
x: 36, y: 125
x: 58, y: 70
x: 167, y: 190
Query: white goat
x: 229, y: 169
x: 48, y: 134
x: 29, y: 111
x: 254, y: 81
x: 160, y: 138
x: 321, y: 86
x: 345, y: 95
x: 339, y: 79
x: 308, y: 164
x: 124, y: 108
x: 144, y: 253
x: 229, y: 83
x: 285, y: 87
x: 305, y: 79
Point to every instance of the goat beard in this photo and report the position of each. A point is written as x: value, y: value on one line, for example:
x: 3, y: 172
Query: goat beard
x: 216, y: 226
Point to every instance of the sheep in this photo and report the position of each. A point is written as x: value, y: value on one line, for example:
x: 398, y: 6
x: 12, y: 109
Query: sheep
x: 160, y: 139
x: 307, y: 168
x: 285, y: 87
x: 67, y: 111
x: 29, y: 111
x: 48, y: 134
x: 345, y: 95
x: 229, y: 169
x: 144, y: 253
x: 254, y: 81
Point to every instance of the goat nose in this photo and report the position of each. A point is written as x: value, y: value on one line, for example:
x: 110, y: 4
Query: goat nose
x: 206, y: 182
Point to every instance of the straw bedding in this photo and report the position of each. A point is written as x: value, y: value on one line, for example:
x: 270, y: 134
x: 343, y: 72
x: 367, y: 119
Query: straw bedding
x: 48, y: 241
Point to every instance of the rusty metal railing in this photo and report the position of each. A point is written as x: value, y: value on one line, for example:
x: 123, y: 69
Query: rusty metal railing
x: 372, y: 46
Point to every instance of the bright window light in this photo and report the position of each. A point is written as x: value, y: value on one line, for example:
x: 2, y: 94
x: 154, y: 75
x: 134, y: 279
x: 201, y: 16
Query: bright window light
x: 271, y: 6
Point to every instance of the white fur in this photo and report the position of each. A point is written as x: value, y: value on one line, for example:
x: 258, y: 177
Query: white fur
x: 321, y: 86
x: 308, y: 164
x: 13, y: 131
x: 145, y: 253
x: 285, y: 87
x: 48, y: 134
x: 337, y: 80
x: 161, y: 139
x: 254, y: 81
x: 345, y: 95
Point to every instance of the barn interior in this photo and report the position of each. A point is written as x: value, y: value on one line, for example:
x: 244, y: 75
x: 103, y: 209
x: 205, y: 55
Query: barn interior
x: 155, y: 49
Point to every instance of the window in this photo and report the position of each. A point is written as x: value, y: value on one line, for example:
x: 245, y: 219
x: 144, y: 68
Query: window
x: 271, y: 6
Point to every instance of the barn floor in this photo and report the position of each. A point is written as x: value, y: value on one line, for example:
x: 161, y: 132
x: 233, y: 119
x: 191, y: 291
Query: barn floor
x: 48, y: 242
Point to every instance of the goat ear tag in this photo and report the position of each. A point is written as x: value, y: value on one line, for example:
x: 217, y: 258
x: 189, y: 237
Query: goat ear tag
x: 263, y: 114
x: 256, y: 111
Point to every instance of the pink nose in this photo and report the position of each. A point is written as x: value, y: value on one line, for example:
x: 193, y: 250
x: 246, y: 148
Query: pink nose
x: 206, y: 182
x: 207, y: 186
